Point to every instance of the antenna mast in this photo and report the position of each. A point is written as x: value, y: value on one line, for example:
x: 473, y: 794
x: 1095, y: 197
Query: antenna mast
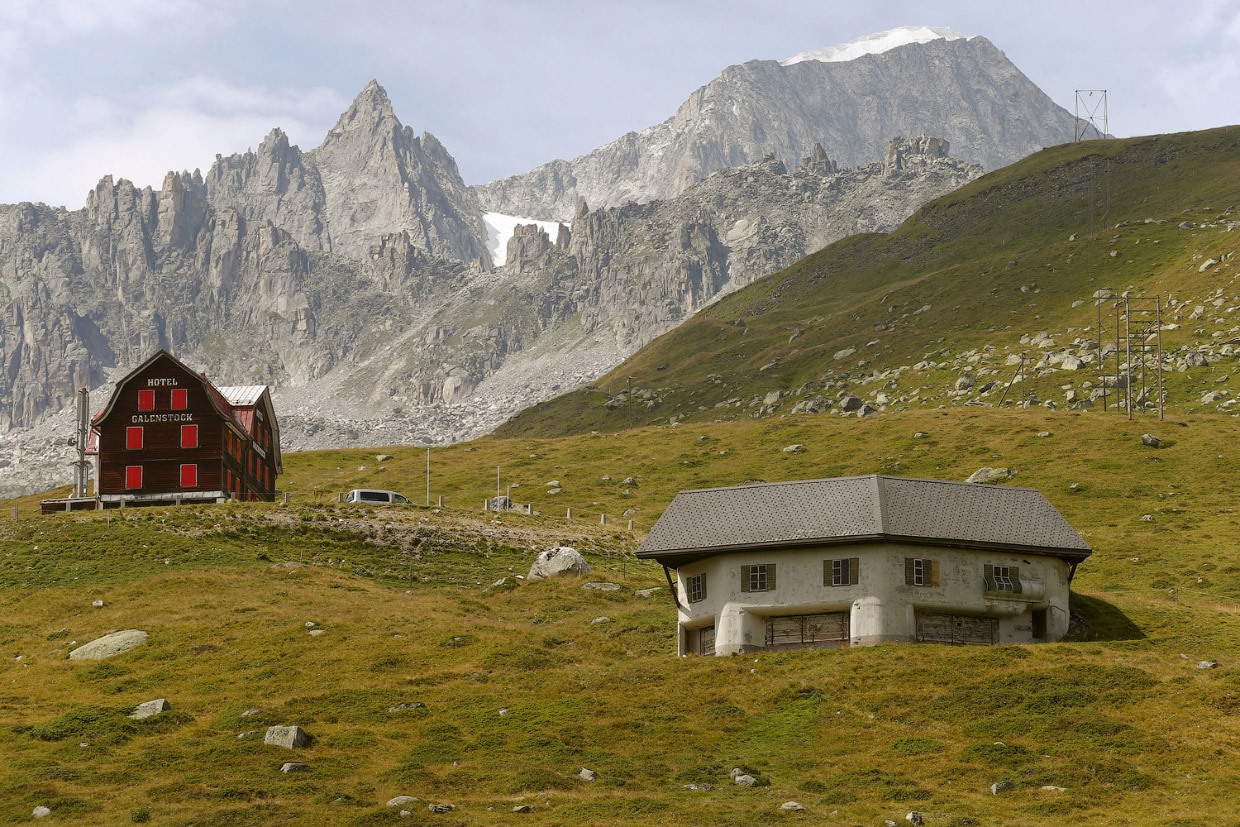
x: 81, y: 466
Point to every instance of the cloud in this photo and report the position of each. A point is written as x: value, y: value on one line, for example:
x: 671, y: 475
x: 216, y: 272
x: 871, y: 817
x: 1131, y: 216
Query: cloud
x: 180, y: 126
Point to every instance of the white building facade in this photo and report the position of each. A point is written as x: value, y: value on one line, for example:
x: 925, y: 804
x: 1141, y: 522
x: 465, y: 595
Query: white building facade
x: 865, y: 560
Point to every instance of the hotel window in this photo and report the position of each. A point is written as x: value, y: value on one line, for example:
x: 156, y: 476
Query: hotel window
x: 840, y: 572
x: 920, y: 572
x: 133, y: 476
x: 189, y: 476
x: 146, y: 400
x: 189, y: 436
x: 696, y: 587
x: 180, y: 399
x: 759, y: 578
x: 133, y: 438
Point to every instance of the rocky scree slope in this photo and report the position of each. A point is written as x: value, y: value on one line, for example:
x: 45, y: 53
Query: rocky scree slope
x: 941, y: 311
x: 964, y: 90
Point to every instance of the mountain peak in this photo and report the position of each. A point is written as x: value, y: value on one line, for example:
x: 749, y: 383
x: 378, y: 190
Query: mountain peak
x: 877, y: 43
x: 369, y: 108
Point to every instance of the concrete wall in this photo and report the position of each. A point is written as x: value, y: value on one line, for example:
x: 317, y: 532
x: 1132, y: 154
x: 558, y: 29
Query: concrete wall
x: 882, y: 609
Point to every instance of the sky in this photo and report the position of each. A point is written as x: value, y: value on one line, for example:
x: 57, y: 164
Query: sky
x: 134, y: 88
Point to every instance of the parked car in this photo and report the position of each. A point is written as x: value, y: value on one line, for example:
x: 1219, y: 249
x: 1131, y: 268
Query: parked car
x: 372, y: 495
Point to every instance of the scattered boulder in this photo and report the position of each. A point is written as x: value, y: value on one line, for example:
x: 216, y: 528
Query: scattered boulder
x: 521, y: 808
x: 796, y: 448
x: 382, y: 457
x: 1051, y: 788
x: 915, y: 818
x: 791, y: 807
x: 317, y: 632
x: 1150, y: 440
x: 558, y: 562
x: 289, y: 737
x: 600, y: 620
x: 1071, y: 362
x: 109, y: 645
x: 405, y: 707
x: 1208, y: 664
x: 867, y: 411
x: 402, y: 801
x: 586, y: 775
x: 851, y: 403
x: 745, y: 780
x: 439, y: 809
x: 98, y: 604
x: 294, y: 766
x: 629, y: 482
x: 651, y: 592
x: 965, y: 381
x: 986, y: 475
x: 148, y: 709
x: 845, y: 353
x: 1002, y: 786
x: 921, y: 435
x: 601, y: 587
x: 1196, y: 359
x: 40, y: 812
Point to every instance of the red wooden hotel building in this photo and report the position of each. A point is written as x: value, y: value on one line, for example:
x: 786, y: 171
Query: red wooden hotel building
x: 168, y: 435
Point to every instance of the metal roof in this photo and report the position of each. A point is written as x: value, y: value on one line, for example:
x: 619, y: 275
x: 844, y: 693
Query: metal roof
x: 242, y: 395
x: 703, y: 522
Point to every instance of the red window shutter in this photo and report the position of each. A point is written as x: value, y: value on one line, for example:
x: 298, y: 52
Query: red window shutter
x: 189, y: 436
x: 189, y: 476
x: 133, y: 476
x: 133, y: 438
x: 180, y: 399
x: 146, y: 400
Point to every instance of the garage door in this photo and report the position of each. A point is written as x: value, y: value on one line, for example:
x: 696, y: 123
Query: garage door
x: 800, y: 630
x: 961, y: 630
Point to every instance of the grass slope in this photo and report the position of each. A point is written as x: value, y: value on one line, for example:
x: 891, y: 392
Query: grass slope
x: 1119, y: 716
x: 977, y: 268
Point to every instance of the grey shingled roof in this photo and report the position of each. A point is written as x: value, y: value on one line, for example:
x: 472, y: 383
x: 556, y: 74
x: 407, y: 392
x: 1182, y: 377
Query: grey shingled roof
x: 708, y: 521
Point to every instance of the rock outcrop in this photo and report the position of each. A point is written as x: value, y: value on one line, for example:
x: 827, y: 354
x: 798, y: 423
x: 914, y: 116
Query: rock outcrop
x: 964, y: 90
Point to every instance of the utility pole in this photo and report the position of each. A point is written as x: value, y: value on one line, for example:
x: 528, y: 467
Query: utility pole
x: 428, y: 475
x: 629, y: 402
x: 81, y: 467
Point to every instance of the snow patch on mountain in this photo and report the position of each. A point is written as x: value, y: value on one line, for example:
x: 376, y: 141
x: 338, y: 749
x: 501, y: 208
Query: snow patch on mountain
x: 873, y: 44
x: 500, y: 228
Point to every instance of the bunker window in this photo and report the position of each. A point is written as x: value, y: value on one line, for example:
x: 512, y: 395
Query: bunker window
x: 921, y: 572
x: 696, y: 587
x: 758, y: 578
x: 840, y: 572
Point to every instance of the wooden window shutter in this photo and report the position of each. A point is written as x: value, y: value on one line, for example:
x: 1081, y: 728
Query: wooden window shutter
x: 826, y: 573
x: 702, y: 584
x: 934, y: 572
x: 908, y: 571
x: 854, y: 564
x: 1015, y: 574
x: 745, y: 578
x: 770, y: 577
x: 988, y: 575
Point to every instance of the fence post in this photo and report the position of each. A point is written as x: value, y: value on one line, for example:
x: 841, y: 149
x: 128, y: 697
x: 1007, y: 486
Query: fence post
x: 441, y: 500
x: 14, y: 512
x: 287, y: 497
x: 630, y: 525
x: 339, y: 496
x: 602, y: 519
x: 568, y: 514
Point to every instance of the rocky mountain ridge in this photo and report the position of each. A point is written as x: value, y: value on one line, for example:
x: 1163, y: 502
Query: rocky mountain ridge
x: 964, y: 90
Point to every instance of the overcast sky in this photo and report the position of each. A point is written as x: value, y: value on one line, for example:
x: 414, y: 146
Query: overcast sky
x: 137, y: 87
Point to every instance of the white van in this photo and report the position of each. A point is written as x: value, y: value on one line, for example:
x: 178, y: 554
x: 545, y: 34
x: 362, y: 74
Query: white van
x: 377, y: 497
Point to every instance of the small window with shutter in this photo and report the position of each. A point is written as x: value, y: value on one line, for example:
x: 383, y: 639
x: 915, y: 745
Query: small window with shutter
x: 919, y: 571
x: 696, y: 587
x: 180, y: 399
x: 189, y: 436
x: 189, y: 476
x: 758, y: 578
x: 146, y: 400
x: 840, y: 572
x: 1002, y: 579
x: 133, y: 476
x: 133, y: 438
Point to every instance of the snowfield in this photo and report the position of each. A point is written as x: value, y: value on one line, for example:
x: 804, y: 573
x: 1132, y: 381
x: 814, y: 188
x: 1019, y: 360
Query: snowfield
x: 874, y: 44
x: 500, y: 228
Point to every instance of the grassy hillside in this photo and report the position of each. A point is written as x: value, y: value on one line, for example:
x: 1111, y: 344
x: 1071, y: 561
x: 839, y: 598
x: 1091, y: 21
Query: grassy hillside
x: 1120, y: 716
x: 1006, y: 256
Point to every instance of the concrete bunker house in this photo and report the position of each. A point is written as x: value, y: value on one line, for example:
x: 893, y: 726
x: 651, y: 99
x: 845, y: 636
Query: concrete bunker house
x: 857, y: 561
x: 169, y: 435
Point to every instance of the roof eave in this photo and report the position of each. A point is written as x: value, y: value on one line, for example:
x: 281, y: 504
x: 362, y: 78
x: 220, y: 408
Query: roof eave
x: 679, y: 557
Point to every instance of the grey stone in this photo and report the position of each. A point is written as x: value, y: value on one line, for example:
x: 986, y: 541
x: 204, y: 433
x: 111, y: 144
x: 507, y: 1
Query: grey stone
x: 845, y: 353
x: 40, y: 812
x: 586, y: 775
x: 628, y: 482
x: 599, y: 620
x: 1196, y: 359
x: 289, y: 737
x: 851, y: 403
x: 745, y: 780
x: 149, y: 709
x: 965, y: 381
x: 317, y: 632
x: 1207, y: 664
x: 651, y: 592
x: 521, y: 808
x: 402, y: 801
x: 797, y: 448
x: 558, y: 562
x: 986, y: 475
x: 439, y: 809
x: 601, y: 587
x: 915, y: 818
x: 1150, y: 440
x: 248, y: 733
x: 109, y: 645
x: 1003, y: 786
x: 294, y: 766
x: 405, y: 707
x: 382, y: 457
x: 791, y: 807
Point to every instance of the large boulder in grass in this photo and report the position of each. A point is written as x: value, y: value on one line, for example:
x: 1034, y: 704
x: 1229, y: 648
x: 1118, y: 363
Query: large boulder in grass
x: 109, y: 645
x: 558, y: 562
